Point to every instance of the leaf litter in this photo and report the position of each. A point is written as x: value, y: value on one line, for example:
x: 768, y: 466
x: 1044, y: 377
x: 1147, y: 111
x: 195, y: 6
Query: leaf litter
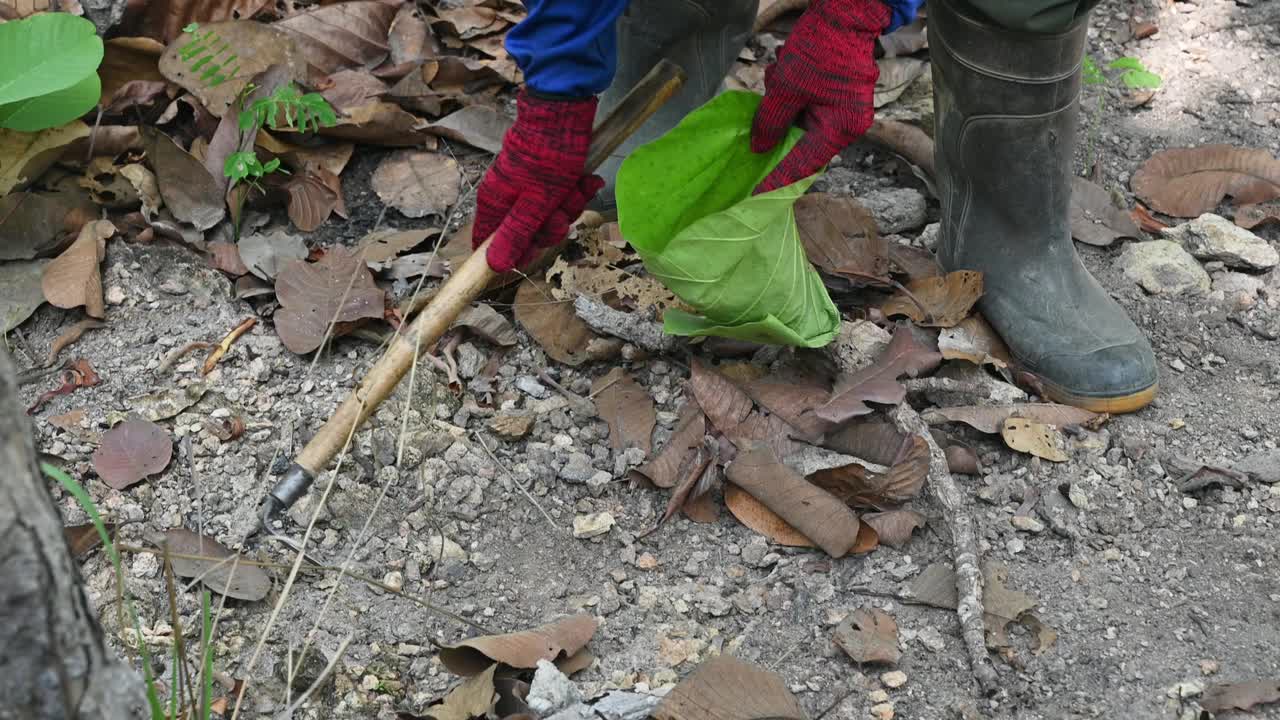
x: 214, y: 564
x: 337, y: 290
x: 132, y: 451
x: 869, y: 636
x: 628, y: 409
x: 726, y: 688
x: 558, y: 642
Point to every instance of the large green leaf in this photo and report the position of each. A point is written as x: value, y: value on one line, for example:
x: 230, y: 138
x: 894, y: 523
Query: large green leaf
x: 685, y: 205
x: 46, y: 53
x: 57, y: 108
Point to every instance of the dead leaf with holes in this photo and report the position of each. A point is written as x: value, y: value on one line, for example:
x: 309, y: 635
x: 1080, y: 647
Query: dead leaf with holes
x: 485, y: 322
x: 593, y: 277
x: 628, y: 409
x: 1240, y: 696
x: 1188, y: 182
x: 726, y: 688
x: 341, y: 35
x: 215, y: 565
x: 560, y: 642
x: 25, y: 156
x: 840, y: 237
x: 1095, y: 218
x: 217, y: 60
x: 878, y: 383
x: 132, y: 451
x: 73, y: 279
x: 337, y: 290
x: 417, y: 183
x: 990, y: 418
x: 974, y: 340
x: 189, y: 191
x: 869, y: 636
x: 938, y: 301
x: 552, y: 323
x: 1043, y: 441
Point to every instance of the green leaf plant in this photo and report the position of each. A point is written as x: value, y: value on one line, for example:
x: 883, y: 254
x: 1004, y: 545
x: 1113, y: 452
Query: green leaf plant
x: 48, y: 71
x: 1132, y: 74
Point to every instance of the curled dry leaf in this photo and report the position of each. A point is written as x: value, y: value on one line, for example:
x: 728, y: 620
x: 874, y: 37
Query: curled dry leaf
x: 726, y: 688
x: 381, y: 123
x: 1240, y: 696
x: 974, y: 340
x: 314, y: 194
x: 759, y: 518
x: 909, y: 141
x: 557, y: 642
x: 626, y: 406
x: 25, y: 156
x: 878, y: 383
x: 338, y: 289
x: 380, y: 247
x: 73, y: 279
x: 216, y: 61
x: 938, y: 301
x: 869, y: 636
x: 1188, y: 182
x: 69, y: 337
x: 1095, y: 217
x: 816, y: 513
x: 474, y: 698
x: 215, y: 565
x: 1043, y: 441
x: 266, y: 254
x: 894, y: 527
x: 189, y: 191
x: 484, y: 321
x: 552, y: 323
x: 79, y: 373
x: 225, y: 429
x: 990, y: 418
x: 417, y: 183
x: 856, y: 486
x: 840, y: 237
x: 36, y: 225
x: 131, y: 451
x: 341, y: 35
x: 663, y: 471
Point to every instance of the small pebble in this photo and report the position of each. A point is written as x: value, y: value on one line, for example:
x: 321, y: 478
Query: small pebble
x: 894, y: 679
x: 878, y: 696
x: 1027, y: 523
x: 883, y: 711
x: 592, y: 525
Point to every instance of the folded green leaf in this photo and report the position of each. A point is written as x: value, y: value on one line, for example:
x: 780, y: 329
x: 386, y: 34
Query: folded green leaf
x: 685, y: 204
x: 48, y: 70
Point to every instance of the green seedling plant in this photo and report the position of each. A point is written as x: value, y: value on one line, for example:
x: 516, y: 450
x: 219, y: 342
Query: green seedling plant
x: 1127, y: 71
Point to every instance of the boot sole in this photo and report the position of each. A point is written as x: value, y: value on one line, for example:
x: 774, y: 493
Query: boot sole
x: 1119, y: 405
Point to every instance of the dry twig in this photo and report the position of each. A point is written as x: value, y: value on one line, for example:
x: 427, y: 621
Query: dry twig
x: 632, y: 327
x: 222, y: 347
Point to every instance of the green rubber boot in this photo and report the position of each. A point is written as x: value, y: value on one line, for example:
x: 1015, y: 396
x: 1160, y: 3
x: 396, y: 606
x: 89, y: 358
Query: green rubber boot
x: 1005, y: 107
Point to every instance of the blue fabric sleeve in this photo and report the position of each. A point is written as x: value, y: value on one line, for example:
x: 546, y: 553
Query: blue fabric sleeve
x: 902, y: 12
x: 567, y: 47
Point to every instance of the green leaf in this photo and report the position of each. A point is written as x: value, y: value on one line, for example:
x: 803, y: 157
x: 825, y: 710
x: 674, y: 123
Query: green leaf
x: 1141, y: 79
x: 1126, y: 63
x: 46, y: 53
x: 685, y: 204
x: 57, y: 108
x: 1092, y: 73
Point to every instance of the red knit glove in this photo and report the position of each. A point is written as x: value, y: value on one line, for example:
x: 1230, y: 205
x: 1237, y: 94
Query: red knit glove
x: 537, y: 185
x: 826, y: 72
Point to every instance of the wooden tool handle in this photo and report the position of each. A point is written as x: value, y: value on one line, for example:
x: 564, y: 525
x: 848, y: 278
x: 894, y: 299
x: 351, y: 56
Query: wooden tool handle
x: 464, y: 285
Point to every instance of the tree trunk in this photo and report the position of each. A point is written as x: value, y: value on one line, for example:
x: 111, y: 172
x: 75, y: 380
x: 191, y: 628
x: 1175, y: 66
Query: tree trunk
x: 53, y: 663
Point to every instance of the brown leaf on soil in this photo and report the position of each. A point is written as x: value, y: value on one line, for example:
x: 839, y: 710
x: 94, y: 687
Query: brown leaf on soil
x: 962, y: 460
x: 877, y: 442
x: 794, y: 401
x: 417, y: 183
x: 1095, y: 219
x: 1240, y: 696
x: 349, y: 89
x: 697, y: 475
x: 854, y: 485
x: 475, y: 697
x: 189, y: 191
x: 38, y: 225
x: 381, y: 123
x: 1188, y: 182
x: 165, y: 19
x: 131, y: 451
x: 337, y: 289
x: 663, y: 471
x: 554, y: 641
x: 726, y: 688
x: 730, y: 410
x: 73, y: 279
x: 381, y: 246
x: 475, y: 125
x: 218, y: 60
x: 342, y: 35
x: 756, y: 516
x: 943, y: 301
x: 470, y: 21
x: 20, y: 293
x: 129, y: 61
x: 1043, y: 441
x: 840, y: 237
x: 552, y: 323
x: 936, y: 586
x: 483, y: 321
x: 314, y: 194
x: 1251, y: 216
x: 210, y: 563
x: 225, y: 256
x: 914, y: 262
x: 25, y: 156
x: 990, y: 418
x: 84, y: 538
x: 266, y: 254
x: 974, y: 340
x: 878, y: 383
x: 894, y: 527
x: 69, y: 421
x: 869, y: 636
x: 330, y: 156
x: 79, y: 373
x: 816, y: 513
x: 626, y: 406
x: 409, y: 39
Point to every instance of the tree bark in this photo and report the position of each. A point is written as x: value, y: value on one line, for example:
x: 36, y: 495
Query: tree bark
x: 54, y: 663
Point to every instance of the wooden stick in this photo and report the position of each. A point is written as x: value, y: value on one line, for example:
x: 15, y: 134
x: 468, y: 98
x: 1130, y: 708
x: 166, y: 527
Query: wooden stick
x: 466, y: 283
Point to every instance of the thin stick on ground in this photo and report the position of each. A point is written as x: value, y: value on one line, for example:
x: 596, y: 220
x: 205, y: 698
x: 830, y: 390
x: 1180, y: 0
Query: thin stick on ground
x: 516, y: 482
x: 964, y: 544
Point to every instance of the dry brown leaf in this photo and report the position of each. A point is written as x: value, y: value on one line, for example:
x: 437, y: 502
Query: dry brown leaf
x: 225, y: 256
x: 869, y: 636
x: 1146, y: 220
x: 266, y: 254
x: 1251, y: 216
x: 330, y: 156
x: 349, y: 89
x: 962, y: 460
x: 475, y: 125
x: 409, y: 39
x: 190, y: 192
x: 342, y: 35
x: 793, y: 400
x: 128, y: 61
x: 216, y: 571
x: 382, y: 246
x: 69, y: 421
x: 915, y: 262
x: 936, y: 586
x: 165, y: 19
x: 314, y: 194
x: 1095, y: 219
x: 381, y: 123
x: 876, y: 442
x: 943, y: 301
x: 337, y: 289
x: 894, y: 527
x: 132, y: 451
x: 218, y: 60
x: 878, y: 383
x: 554, y: 641
x: 483, y: 321
x: 1043, y: 441
x: 840, y: 237
x: 990, y: 418
x: 552, y: 323
x: 39, y: 225
x: 84, y: 538
x: 1188, y: 182
x: 20, y: 292
x: 816, y: 513
x: 664, y: 470
x: 626, y: 406
x: 475, y: 697
x: 73, y: 279
x: 79, y: 373
x: 470, y: 21
x: 417, y: 183
x: 697, y: 475
x: 726, y: 688
x: 758, y: 517
x: 729, y: 409
x: 974, y: 340
x: 1240, y: 696
x: 25, y: 156
x: 856, y: 486
x: 1045, y: 636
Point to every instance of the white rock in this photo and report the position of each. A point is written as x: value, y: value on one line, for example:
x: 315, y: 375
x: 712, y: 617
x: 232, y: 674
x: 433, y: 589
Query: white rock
x: 1213, y: 237
x: 894, y: 679
x: 930, y: 235
x: 592, y: 525
x: 878, y: 696
x: 394, y: 580
x: 858, y: 344
x: 442, y: 549
x: 895, y: 210
x: 1161, y: 266
x: 114, y: 295
x: 1027, y: 523
x: 551, y: 690
x: 882, y: 711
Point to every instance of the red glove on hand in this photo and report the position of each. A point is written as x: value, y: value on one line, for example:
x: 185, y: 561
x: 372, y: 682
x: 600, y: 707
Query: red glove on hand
x: 827, y: 72
x: 537, y: 186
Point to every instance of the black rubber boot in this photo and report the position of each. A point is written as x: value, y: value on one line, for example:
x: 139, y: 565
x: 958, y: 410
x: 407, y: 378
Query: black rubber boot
x: 1006, y: 107
x: 702, y: 36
